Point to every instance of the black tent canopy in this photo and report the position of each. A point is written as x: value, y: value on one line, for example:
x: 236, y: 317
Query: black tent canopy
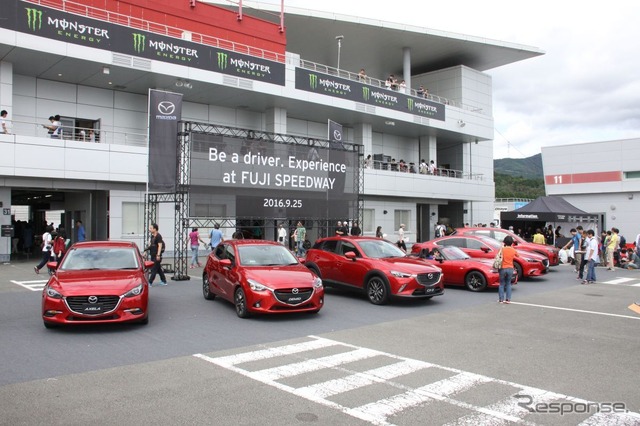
x: 548, y: 209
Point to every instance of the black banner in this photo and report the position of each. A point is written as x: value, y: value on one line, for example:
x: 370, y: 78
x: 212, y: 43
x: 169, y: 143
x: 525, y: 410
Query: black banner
x: 165, y: 111
x: 57, y: 25
x: 343, y: 88
x: 273, y: 179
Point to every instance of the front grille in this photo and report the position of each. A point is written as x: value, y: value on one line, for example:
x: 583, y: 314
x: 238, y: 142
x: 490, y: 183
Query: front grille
x: 293, y: 296
x: 82, y: 305
x: 428, y: 279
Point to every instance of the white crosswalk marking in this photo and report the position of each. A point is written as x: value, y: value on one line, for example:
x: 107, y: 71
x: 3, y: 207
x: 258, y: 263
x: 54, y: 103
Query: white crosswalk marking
x: 449, y: 390
x: 619, y: 281
x: 35, y: 285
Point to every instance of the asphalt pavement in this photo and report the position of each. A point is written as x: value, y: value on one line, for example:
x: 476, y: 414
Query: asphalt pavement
x: 461, y: 358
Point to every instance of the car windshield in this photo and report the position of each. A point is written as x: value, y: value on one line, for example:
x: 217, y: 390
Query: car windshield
x: 378, y: 249
x: 453, y: 253
x: 99, y: 258
x: 265, y: 255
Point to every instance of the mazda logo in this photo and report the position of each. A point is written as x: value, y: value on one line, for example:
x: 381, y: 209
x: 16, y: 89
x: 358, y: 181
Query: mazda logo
x: 93, y: 299
x: 166, y: 108
x: 294, y: 291
x: 430, y: 276
x: 337, y: 135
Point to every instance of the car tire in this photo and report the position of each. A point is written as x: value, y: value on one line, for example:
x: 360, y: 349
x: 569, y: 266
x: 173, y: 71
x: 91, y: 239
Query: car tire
x: 378, y: 290
x: 518, y: 269
x: 475, y: 281
x: 206, y: 290
x: 240, y: 301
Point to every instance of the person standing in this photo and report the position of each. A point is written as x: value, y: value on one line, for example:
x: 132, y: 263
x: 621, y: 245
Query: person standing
x: 506, y: 270
x: 340, y: 229
x: 379, y: 233
x: 215, y: 237
x: 156, y: 248
x: 81, y: 233
x: 58, y: 246
x: 282, y: 234
x: 576, y: 236
x: 612, y: 247
x: 300, y: 237
x: 592, y: 257
x: 355, y: 230
x: 5, y: 125
x: 54, y: 128
x: 401, y: 243
x: 538, y: 237
x: 194, y: 238
x: 47, y: 242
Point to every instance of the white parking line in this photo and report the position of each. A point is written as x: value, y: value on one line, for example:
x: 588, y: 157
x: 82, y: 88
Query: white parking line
x: 35, y: 285
x: 576, y: 310
x: 619, y: 281
x: 383, y: 411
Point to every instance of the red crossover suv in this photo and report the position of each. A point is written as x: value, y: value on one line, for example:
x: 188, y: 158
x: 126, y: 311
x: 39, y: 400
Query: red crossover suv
x: 260, y: 276
x: 97, y: 282
x: 529, y: 264
x: 551, y: 252
x: 461, y: 270
x: 374, y: 265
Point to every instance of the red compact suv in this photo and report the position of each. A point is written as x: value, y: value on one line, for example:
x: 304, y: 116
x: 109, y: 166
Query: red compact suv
x: 550, y: 252
x: 374, y: 265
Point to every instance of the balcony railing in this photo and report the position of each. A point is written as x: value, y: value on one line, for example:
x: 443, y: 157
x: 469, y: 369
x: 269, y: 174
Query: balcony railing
x: 81, y: 134
x: 414, y: 168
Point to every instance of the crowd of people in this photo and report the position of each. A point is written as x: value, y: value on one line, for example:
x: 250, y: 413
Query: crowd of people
x: 392, y: 83
x: 424, y: 167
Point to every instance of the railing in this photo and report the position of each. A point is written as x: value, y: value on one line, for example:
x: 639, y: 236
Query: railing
x: 120, y: 19
x: 414, y: 168
x: 81, y: 134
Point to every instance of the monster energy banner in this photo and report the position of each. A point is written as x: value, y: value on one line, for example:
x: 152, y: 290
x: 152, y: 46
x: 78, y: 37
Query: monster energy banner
x: 337, y: 87
x: 165, y: 111
x: 54, y: 24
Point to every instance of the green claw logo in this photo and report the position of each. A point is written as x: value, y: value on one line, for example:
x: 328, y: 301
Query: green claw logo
x: 313, y: 81
x: 223, y: 60
x: 366, y: 93
x: 138, y: 42
x: 34, y: 18
x: 410, y: 104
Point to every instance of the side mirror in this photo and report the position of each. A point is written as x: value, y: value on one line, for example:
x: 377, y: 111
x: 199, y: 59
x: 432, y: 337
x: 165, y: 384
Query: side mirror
x: 350, y: 255
x: 54, y: 265
x: 485, y: 249
x: 225, y: 263
x: 148, y: 264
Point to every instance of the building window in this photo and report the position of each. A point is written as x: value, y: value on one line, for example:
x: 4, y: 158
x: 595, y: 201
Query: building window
x: 632, y: 175
x: 80, y: 129
x: 368, y: 218
x: 400, y: 217
x: 132, y: 218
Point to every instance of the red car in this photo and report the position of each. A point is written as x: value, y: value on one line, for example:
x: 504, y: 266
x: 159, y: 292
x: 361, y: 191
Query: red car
x: 529, y: 264
x: 374, y: 265
x: 97, y: 282
x: 461, y: 270
x: 551, y: 252
x: 260, y: 276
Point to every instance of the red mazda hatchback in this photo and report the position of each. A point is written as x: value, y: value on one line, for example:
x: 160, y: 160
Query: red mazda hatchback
x: 374, y: 265
x: 97, y: 282
x: 260, y: 276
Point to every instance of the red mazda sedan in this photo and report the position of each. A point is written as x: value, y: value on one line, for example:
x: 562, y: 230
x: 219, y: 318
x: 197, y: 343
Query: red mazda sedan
x: 529, y: 264
x: 374, y: 265
x: 553, y: 253
x: 461, y: 270
x: 260, y: 276
x: 97, y: 282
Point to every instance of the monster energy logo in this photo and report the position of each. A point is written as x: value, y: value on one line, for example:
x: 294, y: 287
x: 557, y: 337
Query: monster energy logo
x: 313, y: 81
x: 138, y: 42
x: 223, y: 60
x: 410, y: 104
x: 34, y: 18
x: 366, y: 93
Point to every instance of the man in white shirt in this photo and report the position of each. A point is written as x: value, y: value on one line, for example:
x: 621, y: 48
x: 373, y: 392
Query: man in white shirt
x: 592, y: 257
x: 5, y: 125
x: 282, y: 234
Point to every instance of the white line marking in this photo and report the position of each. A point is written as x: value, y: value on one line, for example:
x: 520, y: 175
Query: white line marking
x: 31, y: 285
x: 635, y: 285
x: 619, y: 281
x: 576, y: 310
x: 378, y: 412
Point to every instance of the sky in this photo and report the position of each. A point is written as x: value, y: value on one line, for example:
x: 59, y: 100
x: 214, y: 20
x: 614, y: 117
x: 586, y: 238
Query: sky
x: 585, y: 88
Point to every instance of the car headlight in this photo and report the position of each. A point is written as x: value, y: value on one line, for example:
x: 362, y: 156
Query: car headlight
x: 317, y: 282
x: 401, y: 274
x: 531, y: 260
x: 256, y: 286
x: 52, y: 293
x: 134, y: 291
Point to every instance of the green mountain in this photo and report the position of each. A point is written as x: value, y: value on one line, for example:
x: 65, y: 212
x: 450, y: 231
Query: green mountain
x: 519, y: 177
x: 528, y: 168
